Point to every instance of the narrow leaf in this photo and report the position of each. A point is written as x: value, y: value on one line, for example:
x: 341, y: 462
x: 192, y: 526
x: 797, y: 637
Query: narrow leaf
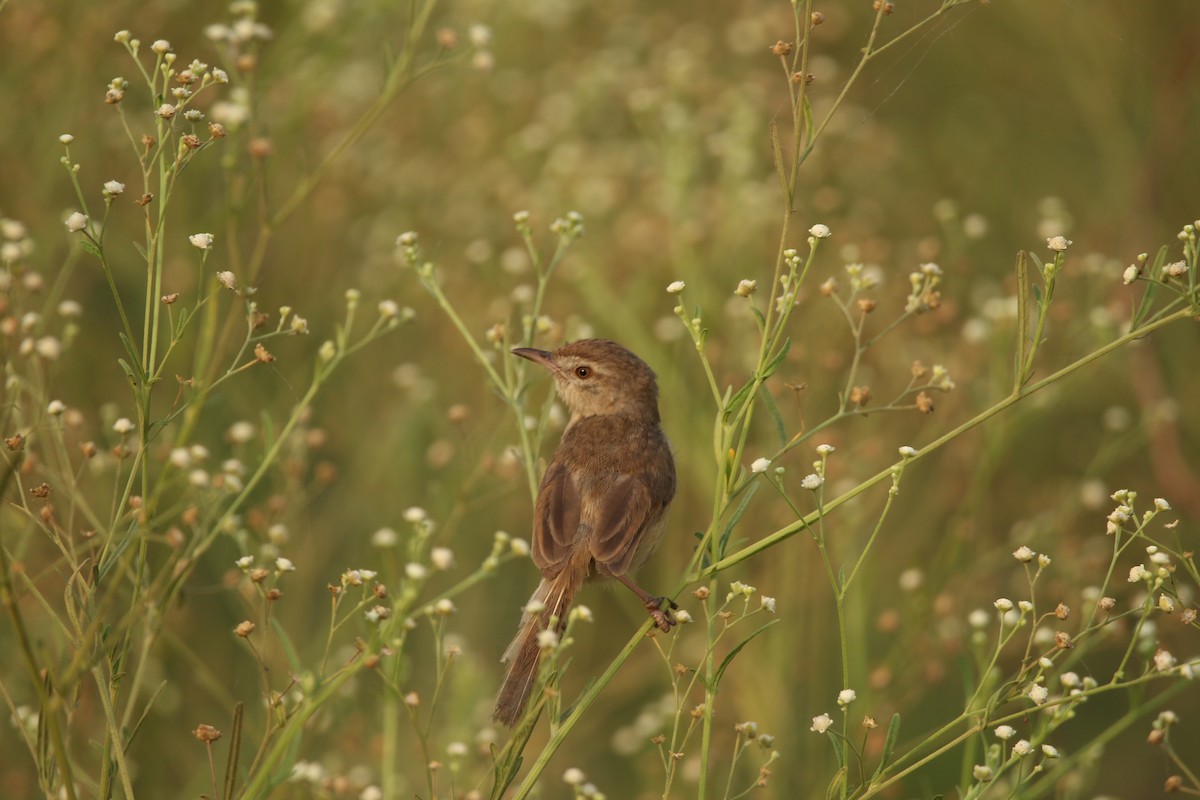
x: 1022, y: 320
x: 733, y: 653
x: 235, y: 747
x: 289, y: 650
x: 134, y: 359
x: 769, y: 370
x: 776, y: 417
x: 737, y: 515
x: 889, y: 745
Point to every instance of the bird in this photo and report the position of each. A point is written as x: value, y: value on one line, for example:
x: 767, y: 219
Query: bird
x: 601, y: 506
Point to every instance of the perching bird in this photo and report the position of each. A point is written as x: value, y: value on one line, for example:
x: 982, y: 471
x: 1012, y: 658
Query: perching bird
x: 602, y: 503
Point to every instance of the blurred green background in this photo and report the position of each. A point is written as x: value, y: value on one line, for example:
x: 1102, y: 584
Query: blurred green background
x: 995, y: 127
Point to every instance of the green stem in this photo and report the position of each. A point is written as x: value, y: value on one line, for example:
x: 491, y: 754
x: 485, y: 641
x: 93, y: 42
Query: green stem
x: 790, y: 530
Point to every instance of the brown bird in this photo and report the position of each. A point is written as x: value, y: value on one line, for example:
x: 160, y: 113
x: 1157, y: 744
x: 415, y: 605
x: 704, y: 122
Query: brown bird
x: 602, y: 503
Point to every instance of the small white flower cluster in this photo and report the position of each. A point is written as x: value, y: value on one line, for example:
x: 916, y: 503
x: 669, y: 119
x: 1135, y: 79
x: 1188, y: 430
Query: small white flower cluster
x: 923, y: 294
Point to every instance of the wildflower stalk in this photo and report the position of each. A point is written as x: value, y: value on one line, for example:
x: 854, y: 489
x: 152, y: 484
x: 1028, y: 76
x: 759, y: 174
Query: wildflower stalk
x: 790, y: 530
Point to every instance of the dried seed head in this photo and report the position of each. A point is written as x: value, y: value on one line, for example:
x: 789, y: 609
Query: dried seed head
x: 206, y: 733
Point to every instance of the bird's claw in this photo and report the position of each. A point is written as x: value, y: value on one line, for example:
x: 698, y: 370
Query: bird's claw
x: 660, y: 609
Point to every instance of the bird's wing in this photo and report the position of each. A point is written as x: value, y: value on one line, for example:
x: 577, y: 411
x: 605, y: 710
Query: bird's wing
x: 627, y: 510
x: 555, y: 520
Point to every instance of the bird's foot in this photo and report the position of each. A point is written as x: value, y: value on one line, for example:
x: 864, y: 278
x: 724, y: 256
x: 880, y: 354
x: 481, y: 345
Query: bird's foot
x: 660, y: 609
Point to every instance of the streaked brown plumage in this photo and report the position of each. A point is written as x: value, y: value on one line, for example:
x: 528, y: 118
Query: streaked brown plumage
x: 602, y: 503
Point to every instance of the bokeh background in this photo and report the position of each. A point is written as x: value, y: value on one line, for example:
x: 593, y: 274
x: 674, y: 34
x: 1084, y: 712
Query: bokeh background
x: 993, y: 128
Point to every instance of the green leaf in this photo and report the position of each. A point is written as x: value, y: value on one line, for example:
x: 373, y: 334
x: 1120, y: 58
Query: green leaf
x: 1037, y: 294
x: 1022, y: 321
x: 289, y: 650
x: 141, y: 251
x: 889, y: 745
x: 769, y: 370
x: 776, y: 417
x: 839, y: 778
x: 733, y: 653
x: 90, y: 247
x: 235, y: 748
x: 134, y: 359
x: 735, y: 403
x: 737, y: 515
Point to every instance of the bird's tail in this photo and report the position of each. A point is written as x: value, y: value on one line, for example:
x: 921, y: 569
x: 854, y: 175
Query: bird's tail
x: 524, y: 652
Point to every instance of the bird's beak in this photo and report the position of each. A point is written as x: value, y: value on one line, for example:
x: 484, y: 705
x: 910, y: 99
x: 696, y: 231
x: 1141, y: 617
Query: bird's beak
x: 543, y: 357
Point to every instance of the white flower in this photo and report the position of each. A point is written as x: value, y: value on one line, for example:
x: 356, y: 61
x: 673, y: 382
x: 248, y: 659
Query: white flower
x: 415, y: 571
x: 745, y: 288
x: 444, y: 607
x: 519, y: 547
x: 66, y: 138
x: 56, y: 407
x: 1163, y: 660
x: 1023, y: 554
x: 123, y: 426
x: 160, y: 46
x: 760, y: 465
x: 675, y: 287
x: 284, y: 565
x: 812, y: 482
x: 534, y: 606
x: 1138, y: 573
x: 415, y: 514
x: 982, y: 772
x: 1069, y: 680
x: 201, y: 240
x: 911, y: 579
x: 821, y: 723
x: 69, y: 309
x: 768, y: 603
x: 480, y: 35
x: 240, y: 432
x: 456, y: 749
x: 389, y: 309
x: 442, y: 558
x: 1130, y: 275
x: 113, y: 187
x: 76, y: 222
x: 371, y: 792
x: 1022, y: 748
x: 48, y: 347
x: 384, y: 537
x: 229, y: 281
x: 907, y: 452
x: 1038, y: 693
x: 166, y: 111
x: 846, y: 697
x: 582, y: 613
x: 1161, y: 504
x: 1050, y: 751
x: 1166, y: 603
x: 1003, y: 604
x: 1004, y: 732
x: 978, y: 618
x: 574, y: 776
x: 825, y: 449
x: 245, y: 562
x: 819, y: 231
x: 1043, y: 560
x: 547, y: 639
x: 683, y: 616
x: 1058, y: 244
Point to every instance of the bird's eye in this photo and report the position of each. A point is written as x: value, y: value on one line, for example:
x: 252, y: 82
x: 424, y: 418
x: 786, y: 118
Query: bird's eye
x: 583, y: 372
